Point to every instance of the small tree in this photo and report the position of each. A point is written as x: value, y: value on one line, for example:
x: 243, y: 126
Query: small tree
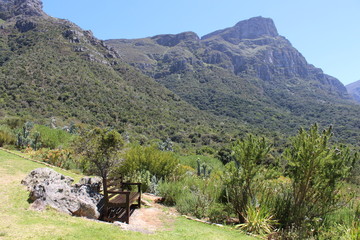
x: 316, y: 168
x: 248, y: 153
x: 100, y: 151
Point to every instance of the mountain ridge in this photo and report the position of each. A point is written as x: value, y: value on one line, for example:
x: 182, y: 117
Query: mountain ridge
x: 191, y: 89
x: 251, y: 33
x: 50, y: 67
x: 248, y: 73
x: 354, y: 90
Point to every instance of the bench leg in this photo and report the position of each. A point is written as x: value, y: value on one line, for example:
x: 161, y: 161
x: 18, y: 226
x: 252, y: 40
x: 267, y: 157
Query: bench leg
x: 128, y: 214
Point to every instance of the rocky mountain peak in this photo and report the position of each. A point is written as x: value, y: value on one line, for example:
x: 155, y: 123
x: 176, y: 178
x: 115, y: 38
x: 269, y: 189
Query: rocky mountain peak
x: 252, y: 28
x: 255, y: 28
x: 11, y: 8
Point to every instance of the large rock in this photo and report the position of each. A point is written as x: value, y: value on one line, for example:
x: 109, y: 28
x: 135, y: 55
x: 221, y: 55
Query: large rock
x: 49, y: 188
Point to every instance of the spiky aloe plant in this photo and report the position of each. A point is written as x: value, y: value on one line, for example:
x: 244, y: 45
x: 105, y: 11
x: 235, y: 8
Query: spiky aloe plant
x: 258, y: 220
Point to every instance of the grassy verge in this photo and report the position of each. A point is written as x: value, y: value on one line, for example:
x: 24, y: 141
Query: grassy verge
x: 18, y: 222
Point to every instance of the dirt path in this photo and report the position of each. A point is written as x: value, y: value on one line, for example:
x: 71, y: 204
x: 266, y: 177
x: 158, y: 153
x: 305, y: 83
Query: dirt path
x: 150, y: 219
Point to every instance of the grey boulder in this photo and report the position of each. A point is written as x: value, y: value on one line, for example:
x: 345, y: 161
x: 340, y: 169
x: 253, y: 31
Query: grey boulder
x: 49, y: 188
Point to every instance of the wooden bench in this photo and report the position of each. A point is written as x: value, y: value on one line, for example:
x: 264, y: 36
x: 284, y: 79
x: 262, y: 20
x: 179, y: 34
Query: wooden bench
x: 120, y: 201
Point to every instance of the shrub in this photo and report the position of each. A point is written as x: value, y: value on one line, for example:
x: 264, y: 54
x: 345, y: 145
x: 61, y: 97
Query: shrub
x: 149, y: 158
x: 192, y: 160
x: 170, y: 191
x: 6, y: 136
x: 258, y: 220
x: 317, y: 169
x: 53, y: 138
x: 148, y: 182
x: 217, y: 213
x: 57, y: 157
x: 14, y: 122
x: 192, y: 195
x: 240, y: 176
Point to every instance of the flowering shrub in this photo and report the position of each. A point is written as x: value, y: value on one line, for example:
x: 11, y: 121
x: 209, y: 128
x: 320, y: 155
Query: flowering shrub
x: 57, y: 157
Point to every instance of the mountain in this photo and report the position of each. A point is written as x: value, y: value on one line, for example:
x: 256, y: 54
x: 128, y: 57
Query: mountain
x: 247, y: 72
x: 52, y: 68
x: 354, y: 90
x: 200, y: 91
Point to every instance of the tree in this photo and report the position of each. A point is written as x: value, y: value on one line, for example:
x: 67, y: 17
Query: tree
x: 99, y: 149
x: 317, y: 169
x: 249, y: 153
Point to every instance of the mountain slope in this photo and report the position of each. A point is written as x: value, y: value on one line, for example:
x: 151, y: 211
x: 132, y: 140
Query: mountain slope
x: 51, y: 67
x: 354, y: 90
x: 248, y: 72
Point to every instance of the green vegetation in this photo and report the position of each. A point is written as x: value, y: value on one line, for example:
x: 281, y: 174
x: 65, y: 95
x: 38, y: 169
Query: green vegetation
x: 99, y: 151
x: 317, y: 170
x: 158, y: 163
x: 20, y: 223
x: 300, y: 193
x: 232, y: 81
x: 52, y: 138
x: 202, y: 103
x: 240, y: 176
x: 46, y: 75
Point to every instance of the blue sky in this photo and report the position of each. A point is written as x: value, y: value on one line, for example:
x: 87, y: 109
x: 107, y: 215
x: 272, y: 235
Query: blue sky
x: 326, y: 32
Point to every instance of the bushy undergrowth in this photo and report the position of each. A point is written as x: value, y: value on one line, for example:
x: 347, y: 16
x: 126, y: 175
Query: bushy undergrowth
x: 7, y: 136
x: 53, y: 138
x: 193, y: 195
x: 302, y: 192
x: 56, y: 157
x: 258, y: 220
x: 192, y: 160
x: 148, y: 158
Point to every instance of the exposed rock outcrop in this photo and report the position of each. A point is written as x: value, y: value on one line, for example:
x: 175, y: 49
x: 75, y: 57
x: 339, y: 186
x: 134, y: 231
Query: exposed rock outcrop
x: 49, y: 188
x: 25, y: 25
x: 171, y: 40
x: 252, y: 48
x: 11, y: 8
x: 249, y: 29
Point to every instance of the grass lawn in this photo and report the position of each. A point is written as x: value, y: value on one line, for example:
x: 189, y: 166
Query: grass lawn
x: 18, y: 222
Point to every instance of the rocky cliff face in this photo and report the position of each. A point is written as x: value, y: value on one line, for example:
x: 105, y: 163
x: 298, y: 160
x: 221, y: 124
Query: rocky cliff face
x: 249, y: 29
x: 11, y: 8
x: 252, y: 48
x: 247, y: 72
x: 354, y: 90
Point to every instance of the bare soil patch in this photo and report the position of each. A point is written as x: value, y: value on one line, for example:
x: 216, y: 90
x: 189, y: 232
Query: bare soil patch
x: 151, y: 219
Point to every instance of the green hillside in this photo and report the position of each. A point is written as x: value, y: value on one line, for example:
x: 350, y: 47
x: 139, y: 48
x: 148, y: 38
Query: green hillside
x: 52, y: 68
x: 249, y: 73
x: 228, y: 83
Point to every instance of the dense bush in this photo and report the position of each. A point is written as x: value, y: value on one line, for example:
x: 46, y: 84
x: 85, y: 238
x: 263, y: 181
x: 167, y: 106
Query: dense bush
x: 193, y: 195
x: 148, y: 158
x: 317, y: 169
x: 6, y: 136
x: 57, y: 157
x: 53, y: 138
x: 240, y: 176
